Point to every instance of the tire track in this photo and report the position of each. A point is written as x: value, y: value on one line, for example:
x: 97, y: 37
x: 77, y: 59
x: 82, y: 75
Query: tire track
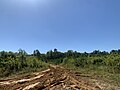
x: 54, y: 78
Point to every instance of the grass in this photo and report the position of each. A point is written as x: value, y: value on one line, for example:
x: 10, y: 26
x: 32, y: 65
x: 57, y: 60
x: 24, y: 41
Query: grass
x: 98, y: 74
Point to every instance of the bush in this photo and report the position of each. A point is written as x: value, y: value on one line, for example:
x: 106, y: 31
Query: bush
x: 98, y: 62
x: 80, y: 62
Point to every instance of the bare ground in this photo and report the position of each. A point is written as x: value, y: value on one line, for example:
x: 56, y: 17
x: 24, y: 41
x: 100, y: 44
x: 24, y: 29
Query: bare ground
x: 54, y: 78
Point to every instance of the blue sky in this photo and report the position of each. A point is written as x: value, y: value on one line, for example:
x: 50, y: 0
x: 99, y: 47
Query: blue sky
x: 81, y: 25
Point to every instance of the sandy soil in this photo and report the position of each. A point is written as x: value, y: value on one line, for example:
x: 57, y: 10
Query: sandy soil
x: 54, y: 78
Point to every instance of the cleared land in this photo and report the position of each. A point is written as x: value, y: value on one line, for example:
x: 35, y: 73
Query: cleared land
x: 54, y: 78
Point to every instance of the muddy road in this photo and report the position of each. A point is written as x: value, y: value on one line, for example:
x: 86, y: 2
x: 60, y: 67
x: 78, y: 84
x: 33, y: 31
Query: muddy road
x: 54, y: 78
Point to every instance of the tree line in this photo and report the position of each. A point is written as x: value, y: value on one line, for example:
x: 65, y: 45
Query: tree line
x: 12, y: 62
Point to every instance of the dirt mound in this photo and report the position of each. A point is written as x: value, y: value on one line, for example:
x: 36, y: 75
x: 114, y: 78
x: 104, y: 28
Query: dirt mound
x: 54, y: 78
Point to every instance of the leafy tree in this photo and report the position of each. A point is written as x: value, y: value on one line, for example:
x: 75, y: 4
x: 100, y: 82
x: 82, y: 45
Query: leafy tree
x: 69, y: 53
x: 37, y: 53
x: 22, y: 52
x: 49, y: 54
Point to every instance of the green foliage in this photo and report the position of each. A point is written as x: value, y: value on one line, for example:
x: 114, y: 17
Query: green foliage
x: 98, y: 62
x: 13, y: 62
x: 80, y: 62
x: 37, y: 54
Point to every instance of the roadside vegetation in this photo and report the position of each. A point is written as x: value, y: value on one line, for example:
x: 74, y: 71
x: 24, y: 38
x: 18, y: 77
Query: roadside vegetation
x: 98, y: 64
x: 19, y: 63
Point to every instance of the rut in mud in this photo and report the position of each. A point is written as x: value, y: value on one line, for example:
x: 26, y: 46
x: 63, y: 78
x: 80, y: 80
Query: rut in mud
x: 54, y: 78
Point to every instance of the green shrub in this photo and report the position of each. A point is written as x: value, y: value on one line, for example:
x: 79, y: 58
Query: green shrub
x: 80, y: 62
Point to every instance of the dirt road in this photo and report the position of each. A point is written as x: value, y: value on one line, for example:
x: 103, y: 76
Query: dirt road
x: 54, y: 78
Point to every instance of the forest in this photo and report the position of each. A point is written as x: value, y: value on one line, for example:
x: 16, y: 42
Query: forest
x: 22, y: 62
